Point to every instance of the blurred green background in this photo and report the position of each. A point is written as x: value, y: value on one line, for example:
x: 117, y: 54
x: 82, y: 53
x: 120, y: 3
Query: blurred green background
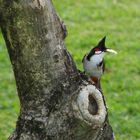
x: 87, y: 22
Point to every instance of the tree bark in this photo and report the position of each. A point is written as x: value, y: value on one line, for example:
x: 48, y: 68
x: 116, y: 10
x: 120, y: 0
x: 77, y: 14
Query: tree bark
x: 57, y: 102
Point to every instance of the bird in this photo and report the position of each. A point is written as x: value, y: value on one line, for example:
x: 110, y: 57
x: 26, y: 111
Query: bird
x: 93, y: 62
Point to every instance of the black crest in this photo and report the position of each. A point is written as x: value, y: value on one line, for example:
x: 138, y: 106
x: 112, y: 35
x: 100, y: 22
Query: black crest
x: 101, y: 44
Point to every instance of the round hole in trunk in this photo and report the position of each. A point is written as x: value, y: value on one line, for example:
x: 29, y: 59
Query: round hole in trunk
x: 92, y: 107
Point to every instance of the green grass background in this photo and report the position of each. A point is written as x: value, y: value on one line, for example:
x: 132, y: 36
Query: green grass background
x: 87, y: 22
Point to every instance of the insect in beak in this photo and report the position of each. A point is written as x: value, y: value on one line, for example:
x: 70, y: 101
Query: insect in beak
x: 111, y: 51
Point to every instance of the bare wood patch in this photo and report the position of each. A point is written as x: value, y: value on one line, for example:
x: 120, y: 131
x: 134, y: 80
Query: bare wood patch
x: 38, y: 4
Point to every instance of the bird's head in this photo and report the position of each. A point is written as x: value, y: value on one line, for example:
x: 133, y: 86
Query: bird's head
x: 102, y: 48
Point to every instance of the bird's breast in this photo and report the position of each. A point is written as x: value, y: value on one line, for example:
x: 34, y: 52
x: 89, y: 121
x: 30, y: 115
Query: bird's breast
x: 91, y: 67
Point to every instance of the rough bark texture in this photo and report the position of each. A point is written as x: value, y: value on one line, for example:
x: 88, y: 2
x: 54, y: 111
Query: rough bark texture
x: 57, y: 102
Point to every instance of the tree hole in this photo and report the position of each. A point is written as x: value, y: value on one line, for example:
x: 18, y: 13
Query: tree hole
x: 92, y: 107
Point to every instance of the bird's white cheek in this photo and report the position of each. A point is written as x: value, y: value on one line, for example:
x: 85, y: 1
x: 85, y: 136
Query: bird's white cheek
x: 98, y: 52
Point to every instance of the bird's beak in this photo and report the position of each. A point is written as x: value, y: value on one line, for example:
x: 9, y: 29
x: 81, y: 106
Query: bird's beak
x: 111, y: 51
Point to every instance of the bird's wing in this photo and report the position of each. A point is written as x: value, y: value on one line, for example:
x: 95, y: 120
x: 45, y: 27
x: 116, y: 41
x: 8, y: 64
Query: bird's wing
x: 84, y: 57
x: 102, y: 64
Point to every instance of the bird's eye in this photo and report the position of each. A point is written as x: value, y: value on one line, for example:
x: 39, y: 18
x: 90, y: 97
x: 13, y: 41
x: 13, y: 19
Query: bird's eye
x: 97, y: 49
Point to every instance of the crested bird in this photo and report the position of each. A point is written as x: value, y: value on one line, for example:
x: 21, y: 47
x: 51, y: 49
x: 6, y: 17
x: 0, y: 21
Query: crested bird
x: 93, y: 62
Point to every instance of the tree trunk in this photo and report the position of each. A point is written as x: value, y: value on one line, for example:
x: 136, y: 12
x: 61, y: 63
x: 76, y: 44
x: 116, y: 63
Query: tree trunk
x: 56, y: 101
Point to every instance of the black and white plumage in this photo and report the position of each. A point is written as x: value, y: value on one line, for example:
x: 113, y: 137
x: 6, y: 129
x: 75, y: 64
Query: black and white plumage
x: 93, y: 62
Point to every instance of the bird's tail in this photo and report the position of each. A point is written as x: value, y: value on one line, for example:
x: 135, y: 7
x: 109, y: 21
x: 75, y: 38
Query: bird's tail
x: 99, y: 84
